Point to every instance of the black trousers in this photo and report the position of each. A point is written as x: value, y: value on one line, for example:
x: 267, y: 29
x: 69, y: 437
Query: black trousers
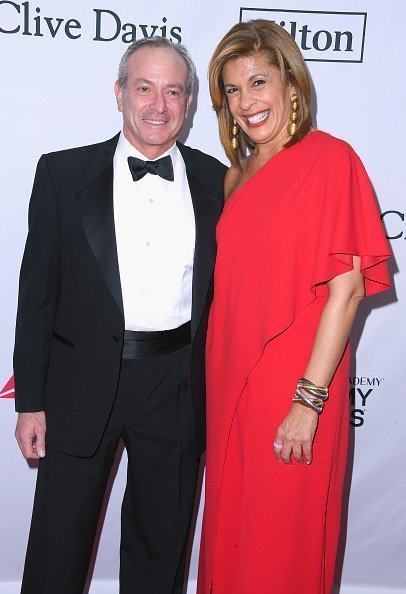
x: 152, y: 414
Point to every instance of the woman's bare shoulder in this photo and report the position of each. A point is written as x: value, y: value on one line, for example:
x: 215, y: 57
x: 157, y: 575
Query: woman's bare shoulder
x: 235, y: 177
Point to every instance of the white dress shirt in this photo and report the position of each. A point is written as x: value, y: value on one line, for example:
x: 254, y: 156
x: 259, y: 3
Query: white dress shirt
x: 155, y: 234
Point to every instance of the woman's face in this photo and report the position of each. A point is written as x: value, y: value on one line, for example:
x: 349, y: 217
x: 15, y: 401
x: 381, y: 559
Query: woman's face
x: 257, y: 99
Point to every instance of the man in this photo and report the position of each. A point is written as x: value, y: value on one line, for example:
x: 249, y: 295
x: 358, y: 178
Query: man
x: 115, y: 288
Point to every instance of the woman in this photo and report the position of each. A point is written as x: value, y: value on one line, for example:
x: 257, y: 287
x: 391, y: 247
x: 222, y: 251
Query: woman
x: 299, y: 245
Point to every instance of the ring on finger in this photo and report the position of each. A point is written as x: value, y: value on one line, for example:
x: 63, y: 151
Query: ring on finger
x: 277, y: 446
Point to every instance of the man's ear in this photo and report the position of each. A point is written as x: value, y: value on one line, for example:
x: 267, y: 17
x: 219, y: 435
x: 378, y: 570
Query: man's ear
x: 188, y: 102
x: 119, y: 96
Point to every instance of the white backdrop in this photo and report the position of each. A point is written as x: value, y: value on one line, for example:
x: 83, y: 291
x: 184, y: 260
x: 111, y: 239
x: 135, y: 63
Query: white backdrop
x: 57, y: 69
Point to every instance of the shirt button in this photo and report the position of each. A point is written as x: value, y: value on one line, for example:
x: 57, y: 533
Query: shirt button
x: 144, y: 289
x: 148, y: 244
x: 150, y: 200
x: 115, y: 337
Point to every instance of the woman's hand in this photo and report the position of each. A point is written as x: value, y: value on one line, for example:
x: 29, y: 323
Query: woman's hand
x: 296, y: 434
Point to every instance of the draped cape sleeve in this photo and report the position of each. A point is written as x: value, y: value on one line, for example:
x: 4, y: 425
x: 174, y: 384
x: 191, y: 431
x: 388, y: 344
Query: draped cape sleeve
x: 350, y: 225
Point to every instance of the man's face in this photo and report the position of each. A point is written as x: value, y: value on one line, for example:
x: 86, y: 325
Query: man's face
x: 154, y: 102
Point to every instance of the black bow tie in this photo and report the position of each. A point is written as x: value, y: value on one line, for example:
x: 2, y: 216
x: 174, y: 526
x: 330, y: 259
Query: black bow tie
x: 162, y: 167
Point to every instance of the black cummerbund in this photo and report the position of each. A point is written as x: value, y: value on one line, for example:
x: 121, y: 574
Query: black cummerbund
x: 148, y: 344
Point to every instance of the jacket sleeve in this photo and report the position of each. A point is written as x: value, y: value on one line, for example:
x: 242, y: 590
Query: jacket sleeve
x: 38, y: 295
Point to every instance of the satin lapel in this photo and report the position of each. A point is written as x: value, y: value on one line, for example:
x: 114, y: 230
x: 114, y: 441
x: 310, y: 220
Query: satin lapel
x: 207, y: 210
x: 95, y: 201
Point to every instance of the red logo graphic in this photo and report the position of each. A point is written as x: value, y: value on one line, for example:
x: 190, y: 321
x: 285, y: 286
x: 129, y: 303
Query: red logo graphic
x: 8, y: 390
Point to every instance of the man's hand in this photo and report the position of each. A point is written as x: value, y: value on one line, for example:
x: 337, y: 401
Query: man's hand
x: 30, y: 434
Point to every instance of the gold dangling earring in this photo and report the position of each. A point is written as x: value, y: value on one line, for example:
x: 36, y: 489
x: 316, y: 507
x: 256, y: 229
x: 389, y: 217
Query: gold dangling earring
x: 292, y: 127
x: 235, y: 142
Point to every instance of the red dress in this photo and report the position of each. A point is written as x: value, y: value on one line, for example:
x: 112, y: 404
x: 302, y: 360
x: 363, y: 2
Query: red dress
x: 270, y: 528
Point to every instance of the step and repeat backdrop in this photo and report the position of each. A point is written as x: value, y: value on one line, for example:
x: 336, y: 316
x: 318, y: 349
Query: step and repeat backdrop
x: 58, y: 65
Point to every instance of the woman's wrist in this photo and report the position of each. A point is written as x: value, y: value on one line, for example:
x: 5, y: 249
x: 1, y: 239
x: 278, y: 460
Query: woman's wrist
x: 310, y: 395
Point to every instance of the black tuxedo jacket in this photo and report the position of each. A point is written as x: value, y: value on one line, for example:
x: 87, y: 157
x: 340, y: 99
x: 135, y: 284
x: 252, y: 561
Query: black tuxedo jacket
x: 70, y: 319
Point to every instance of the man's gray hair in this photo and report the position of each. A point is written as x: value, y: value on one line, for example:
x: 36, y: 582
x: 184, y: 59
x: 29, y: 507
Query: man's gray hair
x: 157, y: 41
